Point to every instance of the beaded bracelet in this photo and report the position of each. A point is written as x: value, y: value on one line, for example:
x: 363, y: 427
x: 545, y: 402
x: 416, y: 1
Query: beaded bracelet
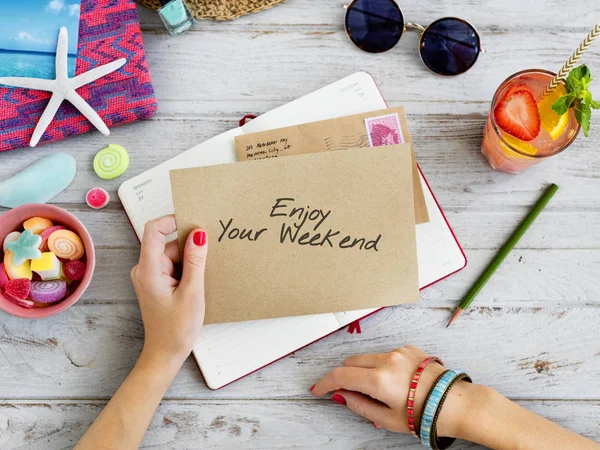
x: 412, y: 391
x: 445, y: 442
x: 437, y: 380
x: 433, y: 403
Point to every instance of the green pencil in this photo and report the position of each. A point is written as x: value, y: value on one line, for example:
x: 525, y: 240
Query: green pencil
x: 504, y: 251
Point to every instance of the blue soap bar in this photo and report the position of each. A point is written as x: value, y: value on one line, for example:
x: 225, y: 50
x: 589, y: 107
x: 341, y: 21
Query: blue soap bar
x: 40, y: 182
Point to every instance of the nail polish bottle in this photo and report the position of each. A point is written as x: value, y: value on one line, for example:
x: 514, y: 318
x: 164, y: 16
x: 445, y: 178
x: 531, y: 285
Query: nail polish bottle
x: 176, y: 16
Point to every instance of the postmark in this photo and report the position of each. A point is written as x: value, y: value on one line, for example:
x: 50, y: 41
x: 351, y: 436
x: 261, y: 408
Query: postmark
x: 384, y: 130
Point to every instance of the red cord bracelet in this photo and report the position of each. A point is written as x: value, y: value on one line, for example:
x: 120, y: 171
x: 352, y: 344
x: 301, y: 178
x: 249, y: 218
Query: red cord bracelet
x: 413, y: 389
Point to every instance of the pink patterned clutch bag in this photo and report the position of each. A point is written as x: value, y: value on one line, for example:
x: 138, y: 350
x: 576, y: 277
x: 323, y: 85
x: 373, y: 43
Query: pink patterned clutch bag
x: 108, y: 30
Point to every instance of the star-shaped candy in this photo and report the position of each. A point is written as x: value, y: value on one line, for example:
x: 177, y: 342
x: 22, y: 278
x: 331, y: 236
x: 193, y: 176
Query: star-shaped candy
x: 63, y: 88
x: 26, y: 247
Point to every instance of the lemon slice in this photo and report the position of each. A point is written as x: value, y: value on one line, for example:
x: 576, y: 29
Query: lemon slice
x: 523, y: 146
x: 554, y: 124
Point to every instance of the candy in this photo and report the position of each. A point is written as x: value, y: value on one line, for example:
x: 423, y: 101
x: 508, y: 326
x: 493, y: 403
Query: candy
x: 10, y: 237
x: 18, y: 288
x: 40, y: 182
x: 46, y: 234
x: 26, y: 247
x: 40, y: 305
x: 13, y: 271
x: 48, y: 291
x: 47, y: 267
x: 37, y: 224
x: 111, y: 162
x: 97, y: 198
x: 3, y: 276
x: 74, y: 270
x: 66, y: 244
x: 17, y: 301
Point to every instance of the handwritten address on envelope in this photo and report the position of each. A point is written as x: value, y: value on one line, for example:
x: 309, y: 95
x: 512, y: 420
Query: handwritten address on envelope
x: 308, y: 234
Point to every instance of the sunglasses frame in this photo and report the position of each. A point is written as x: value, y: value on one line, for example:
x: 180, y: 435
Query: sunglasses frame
x: 410, y: 26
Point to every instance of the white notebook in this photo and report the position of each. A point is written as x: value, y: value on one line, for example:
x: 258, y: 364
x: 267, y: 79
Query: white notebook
x: 228, y: 352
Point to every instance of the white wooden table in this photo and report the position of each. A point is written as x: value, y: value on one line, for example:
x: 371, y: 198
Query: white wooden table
x: 533, y: 333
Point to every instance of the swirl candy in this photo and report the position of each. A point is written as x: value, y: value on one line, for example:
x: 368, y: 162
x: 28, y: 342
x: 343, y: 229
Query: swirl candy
x: 66, y: 244
x: 48, y: 291
x: 46, y: 234
x: 111, y: 162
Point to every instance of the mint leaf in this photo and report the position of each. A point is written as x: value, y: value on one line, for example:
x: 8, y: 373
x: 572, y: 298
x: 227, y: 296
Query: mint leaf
x: 573, y: 84
x: 583, y: 114
x: 562, y: 105
x: 581, y: 74
x: 578, y: 97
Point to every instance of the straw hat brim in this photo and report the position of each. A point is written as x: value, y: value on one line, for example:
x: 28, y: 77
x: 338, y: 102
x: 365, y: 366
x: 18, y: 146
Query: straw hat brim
x: 219, y: 9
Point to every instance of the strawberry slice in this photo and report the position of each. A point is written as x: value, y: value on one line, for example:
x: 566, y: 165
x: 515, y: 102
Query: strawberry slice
x: 514, y: 88
x: 518, y: 115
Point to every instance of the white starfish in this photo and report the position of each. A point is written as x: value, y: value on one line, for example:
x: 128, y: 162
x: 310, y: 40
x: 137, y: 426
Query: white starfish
x: 63, y: 88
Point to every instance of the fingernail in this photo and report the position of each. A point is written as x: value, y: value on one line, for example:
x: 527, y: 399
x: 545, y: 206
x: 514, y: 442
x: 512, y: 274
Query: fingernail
x: 200, y: 238
x: 339, y: 399
x: 376, y: 426
x: 312, y: 387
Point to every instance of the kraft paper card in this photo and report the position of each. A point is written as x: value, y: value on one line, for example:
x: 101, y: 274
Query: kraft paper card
x: 374, y: 129
x: 309, y: 234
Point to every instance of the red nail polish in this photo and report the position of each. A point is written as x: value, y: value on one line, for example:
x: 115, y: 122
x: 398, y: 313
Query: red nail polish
x: 200, y: 238
x: 312, y: 387
x: 376, y: 426
x: 339, y: 399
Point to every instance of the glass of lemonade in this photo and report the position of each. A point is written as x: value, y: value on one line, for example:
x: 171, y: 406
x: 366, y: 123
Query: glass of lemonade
x: 510, y: 141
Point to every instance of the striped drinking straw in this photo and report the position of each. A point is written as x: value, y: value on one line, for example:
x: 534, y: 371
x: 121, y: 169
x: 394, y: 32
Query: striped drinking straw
x: 564, y: 70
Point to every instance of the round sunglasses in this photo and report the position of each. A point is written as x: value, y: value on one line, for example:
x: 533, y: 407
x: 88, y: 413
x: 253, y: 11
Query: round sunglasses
x: 449, y: 46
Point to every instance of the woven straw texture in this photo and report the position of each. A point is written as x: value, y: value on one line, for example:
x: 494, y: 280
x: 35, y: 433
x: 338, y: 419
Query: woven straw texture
x: 220, y: 9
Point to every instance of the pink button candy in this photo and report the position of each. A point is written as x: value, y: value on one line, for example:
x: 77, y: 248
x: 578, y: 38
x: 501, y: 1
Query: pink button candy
x: 97, y: 198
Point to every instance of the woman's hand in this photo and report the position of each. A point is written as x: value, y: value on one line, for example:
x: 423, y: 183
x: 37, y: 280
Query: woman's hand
x: 172, y: 310
x: 173, y: 313
x: 376, y: 387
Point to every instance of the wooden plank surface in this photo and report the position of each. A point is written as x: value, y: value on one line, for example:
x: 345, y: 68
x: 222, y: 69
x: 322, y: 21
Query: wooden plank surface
x: 532, y: 334
x: 238, y: 424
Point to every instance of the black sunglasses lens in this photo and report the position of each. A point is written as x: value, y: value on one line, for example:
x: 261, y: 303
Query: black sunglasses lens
x: 374, y: 25
x: 449, y: 46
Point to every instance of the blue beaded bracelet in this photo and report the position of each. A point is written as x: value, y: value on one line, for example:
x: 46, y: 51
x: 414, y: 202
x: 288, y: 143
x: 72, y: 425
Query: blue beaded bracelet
x: 433, y: 403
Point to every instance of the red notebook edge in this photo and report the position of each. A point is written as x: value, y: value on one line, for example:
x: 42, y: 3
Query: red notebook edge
x: 249, y: 116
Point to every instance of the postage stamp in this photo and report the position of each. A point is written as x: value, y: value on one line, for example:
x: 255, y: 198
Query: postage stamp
x: 384, y: 130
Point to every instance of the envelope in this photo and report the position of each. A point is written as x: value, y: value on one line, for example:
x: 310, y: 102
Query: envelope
x: 308, y: 234
x: 373, y: 129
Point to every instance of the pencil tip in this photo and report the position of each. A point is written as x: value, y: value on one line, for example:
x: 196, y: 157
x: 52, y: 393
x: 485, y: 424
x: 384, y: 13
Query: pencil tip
x: 455, y: 316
